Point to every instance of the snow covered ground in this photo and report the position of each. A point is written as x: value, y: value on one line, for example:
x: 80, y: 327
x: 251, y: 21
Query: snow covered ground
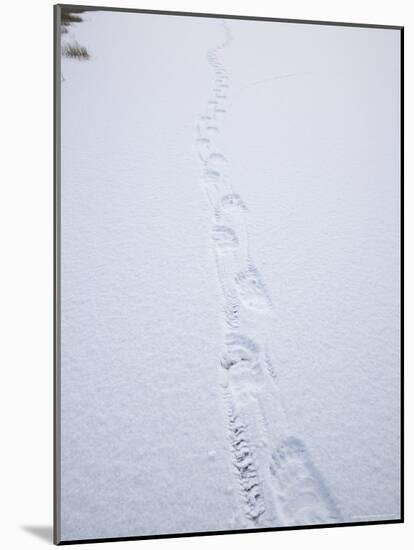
x: 230, y: 275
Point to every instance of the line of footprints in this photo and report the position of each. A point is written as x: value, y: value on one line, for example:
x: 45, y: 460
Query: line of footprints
x: 277, y: 482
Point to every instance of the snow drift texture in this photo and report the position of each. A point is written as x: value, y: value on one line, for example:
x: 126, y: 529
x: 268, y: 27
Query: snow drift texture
x: 230, y: 275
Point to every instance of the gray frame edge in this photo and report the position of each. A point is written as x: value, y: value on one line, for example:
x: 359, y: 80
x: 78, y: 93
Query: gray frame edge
x: 56, y: 273
x: 227, y: 16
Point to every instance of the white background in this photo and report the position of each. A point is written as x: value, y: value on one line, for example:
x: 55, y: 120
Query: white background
x: 26, y: 271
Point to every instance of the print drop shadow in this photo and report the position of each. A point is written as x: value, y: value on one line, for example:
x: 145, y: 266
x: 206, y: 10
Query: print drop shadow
x: 43, y: 532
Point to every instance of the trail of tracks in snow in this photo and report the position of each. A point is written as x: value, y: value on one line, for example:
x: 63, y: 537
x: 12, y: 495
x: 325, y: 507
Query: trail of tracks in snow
x: 277, y: 481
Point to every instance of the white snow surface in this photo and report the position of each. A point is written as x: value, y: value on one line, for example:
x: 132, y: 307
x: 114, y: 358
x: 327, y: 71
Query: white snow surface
x: 230, y: 296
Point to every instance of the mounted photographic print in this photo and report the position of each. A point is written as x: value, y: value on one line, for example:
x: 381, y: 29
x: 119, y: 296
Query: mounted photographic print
x: 228, y: 289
